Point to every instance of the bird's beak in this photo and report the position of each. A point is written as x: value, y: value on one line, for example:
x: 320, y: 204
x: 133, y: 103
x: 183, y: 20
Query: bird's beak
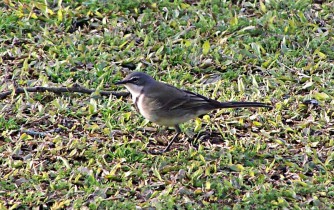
x: 122, y: 82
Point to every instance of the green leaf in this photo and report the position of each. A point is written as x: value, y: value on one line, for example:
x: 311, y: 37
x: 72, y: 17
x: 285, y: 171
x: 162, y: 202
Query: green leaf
x: 206, y: 47
x: 237, y: 167
x: 157, y: 174
x: 25, y: 64
x: 198, y: 124
x: 307, y: 85
x: 257, y: 124
x: 60, y: 15
x: 320, y: 96
x: 146, y: 40
x: 241, y: 86
x: 263, y: 7
x: 65, y: 161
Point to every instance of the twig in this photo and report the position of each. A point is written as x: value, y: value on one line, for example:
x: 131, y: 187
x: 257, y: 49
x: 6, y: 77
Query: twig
x: 75, y: 88
x: 40, y: 134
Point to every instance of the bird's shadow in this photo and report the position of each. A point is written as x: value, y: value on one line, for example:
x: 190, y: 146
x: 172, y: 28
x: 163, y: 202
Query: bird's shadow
x: 160, y: 141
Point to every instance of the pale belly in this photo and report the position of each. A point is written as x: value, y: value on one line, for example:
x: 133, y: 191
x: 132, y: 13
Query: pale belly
x: 174, y: 120
x: 167, y: 118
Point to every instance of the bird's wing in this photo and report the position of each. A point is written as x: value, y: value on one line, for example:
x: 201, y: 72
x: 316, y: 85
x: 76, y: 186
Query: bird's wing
x: 176, y: 98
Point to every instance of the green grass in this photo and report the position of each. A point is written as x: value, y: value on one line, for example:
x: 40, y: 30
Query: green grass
x: 278, y: 52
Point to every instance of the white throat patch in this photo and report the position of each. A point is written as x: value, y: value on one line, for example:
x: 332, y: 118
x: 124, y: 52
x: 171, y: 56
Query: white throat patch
x: 134, y: 90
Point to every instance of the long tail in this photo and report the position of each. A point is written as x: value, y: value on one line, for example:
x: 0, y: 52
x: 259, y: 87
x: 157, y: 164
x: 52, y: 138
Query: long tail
x: 235, y: 104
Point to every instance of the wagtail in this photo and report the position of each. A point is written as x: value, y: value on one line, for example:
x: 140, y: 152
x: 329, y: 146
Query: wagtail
x: 167, y: 105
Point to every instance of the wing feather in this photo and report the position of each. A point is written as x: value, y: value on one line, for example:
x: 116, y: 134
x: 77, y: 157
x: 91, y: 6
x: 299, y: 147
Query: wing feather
x: 176, y: 99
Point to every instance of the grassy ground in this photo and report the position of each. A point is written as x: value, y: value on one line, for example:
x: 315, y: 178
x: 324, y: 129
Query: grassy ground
x: 95, y: 149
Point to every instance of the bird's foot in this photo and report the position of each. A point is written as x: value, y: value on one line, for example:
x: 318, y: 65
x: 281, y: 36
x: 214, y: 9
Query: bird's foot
x: 156, y: 152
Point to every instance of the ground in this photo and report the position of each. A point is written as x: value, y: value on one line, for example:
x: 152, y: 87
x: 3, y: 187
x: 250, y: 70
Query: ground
x: 76, y: 150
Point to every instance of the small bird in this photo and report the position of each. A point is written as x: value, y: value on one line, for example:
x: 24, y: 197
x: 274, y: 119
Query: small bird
x: 167, y: 105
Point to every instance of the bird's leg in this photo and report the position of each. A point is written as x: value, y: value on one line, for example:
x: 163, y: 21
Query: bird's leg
x: 178, y: 131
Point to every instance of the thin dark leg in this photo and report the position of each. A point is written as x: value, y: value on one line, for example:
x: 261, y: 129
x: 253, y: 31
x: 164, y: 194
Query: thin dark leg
x: 178, y: 131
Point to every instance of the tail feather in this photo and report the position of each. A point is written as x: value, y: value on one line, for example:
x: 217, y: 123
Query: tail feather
x: 235, y: 104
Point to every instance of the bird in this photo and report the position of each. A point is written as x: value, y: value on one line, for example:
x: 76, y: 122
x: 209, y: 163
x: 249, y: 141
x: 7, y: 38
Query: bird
x: 170, y: 106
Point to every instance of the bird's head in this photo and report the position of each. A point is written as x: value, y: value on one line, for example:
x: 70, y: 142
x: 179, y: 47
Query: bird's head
x: 136, y: 81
